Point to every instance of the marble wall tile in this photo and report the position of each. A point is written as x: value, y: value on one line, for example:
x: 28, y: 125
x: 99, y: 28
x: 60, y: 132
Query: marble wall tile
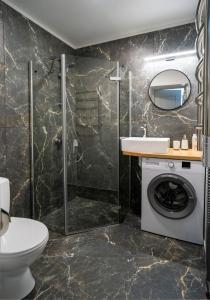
x: 131, y: 53
x: 47, y: 95
x: 48, y: 171
x: 2, y: 72
x: 96, y: 123
x: 44, y: 45
x: 45, y: 53
x: 160, y: 122
x: 20, y: 41
x: 3, y: 150
x: 16, y: 93
x: 181, y: 38
x: 16, y: 35
x: 18, y: 170
x: 48, y: 136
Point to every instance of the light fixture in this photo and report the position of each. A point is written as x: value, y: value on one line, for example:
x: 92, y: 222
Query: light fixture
x: 170, y: 56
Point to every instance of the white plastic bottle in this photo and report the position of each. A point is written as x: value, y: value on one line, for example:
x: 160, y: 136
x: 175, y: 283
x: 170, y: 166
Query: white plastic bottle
x: 194, y: 142
x: 184, y: 143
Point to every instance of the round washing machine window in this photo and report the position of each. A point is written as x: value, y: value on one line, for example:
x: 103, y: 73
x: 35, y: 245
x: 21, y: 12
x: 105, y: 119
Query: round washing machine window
x: 172, y: 196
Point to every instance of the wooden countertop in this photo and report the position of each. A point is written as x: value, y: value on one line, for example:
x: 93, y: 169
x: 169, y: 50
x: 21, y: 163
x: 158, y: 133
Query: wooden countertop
x: 171, y: 154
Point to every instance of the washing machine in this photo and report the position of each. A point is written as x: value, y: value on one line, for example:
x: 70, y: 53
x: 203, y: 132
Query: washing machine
x: 173, y: 198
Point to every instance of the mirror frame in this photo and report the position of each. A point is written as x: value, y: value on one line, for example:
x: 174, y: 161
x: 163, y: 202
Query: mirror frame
x: 178, y: 107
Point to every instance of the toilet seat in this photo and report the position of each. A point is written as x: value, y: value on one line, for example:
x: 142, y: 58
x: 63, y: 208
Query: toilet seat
x: 23, y: 235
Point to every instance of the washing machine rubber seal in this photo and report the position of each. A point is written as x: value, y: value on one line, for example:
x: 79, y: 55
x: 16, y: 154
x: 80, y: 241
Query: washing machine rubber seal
x: 172, y: 196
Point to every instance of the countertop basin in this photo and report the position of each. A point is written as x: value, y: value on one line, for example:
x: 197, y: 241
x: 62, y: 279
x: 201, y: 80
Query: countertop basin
x: 145, y: 144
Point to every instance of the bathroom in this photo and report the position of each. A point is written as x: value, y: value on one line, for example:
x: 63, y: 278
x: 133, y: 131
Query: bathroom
x: 76, y: 84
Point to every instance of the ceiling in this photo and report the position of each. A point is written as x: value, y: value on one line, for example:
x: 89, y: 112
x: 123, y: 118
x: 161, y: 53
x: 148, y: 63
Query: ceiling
x: 82, y: 23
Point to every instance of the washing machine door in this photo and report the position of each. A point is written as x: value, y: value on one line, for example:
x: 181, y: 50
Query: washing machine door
x: 172, y: 196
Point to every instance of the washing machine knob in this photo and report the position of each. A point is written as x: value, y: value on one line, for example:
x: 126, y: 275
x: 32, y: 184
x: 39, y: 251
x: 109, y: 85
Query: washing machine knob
x: 171, y: 164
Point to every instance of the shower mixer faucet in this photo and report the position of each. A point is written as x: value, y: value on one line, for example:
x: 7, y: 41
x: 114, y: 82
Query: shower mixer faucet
x: 144, y: 127
x: 58, y: 141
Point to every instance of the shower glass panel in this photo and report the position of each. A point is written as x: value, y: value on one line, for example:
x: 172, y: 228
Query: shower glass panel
x: 47, y: 133
x: 92, y: 114
x: 76, y: 142
x: 125, y: 130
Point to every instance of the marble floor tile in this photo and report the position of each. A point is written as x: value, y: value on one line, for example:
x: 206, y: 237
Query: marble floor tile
x: 119, y: 262
x: 82, y: 213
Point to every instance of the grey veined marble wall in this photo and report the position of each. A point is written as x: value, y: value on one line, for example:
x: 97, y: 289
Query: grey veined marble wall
x: 20, y: 41
x: 92, y: 144
x: 131, y: 53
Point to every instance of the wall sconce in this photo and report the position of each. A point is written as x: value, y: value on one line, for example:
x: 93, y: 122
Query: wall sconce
x: 171, y: 56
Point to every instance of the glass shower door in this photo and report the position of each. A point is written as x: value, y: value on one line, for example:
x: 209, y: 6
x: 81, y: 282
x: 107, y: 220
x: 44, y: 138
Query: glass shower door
x: 75, y: 114
x: 47, y: 143
x: 92, y: 143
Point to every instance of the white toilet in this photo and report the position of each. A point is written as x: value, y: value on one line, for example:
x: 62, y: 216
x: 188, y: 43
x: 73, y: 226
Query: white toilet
x: 21, y: 244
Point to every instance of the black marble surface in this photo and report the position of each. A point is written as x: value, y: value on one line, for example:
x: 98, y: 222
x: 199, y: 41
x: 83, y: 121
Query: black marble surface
x: 82, y: 214
x: 92, y: 142
x: 20, y: 41
x: 94, y: 163
x: 119, y: 262
x: 96, y: 156
x: 131, y: 53
x: 96, y: 123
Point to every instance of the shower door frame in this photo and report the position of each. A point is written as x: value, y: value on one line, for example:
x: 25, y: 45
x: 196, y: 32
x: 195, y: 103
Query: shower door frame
x: 31, y: 136
x: 117, y: 79
x: 64, y: 139
x: 64, y: 158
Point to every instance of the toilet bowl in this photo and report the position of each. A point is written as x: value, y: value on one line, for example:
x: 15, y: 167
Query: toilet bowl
x: 20, y: 246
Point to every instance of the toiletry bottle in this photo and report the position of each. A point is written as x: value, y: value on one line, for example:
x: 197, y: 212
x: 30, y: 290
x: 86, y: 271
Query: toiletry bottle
x: 194, y: 142
x: 184, y: 144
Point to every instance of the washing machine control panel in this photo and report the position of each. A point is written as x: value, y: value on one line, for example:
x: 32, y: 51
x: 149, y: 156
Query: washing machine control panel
x: 171, y: 164
x: 186, y: 165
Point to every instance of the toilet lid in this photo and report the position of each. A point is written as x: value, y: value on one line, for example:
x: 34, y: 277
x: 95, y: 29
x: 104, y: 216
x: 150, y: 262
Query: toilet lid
x: 23, y: 234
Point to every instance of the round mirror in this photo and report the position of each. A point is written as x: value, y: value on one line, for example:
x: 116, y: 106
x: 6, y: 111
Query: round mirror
x: 169, y: 89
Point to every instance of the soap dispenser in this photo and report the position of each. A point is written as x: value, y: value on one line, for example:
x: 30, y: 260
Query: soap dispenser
x: 194, y: 142
x: 184, y: 143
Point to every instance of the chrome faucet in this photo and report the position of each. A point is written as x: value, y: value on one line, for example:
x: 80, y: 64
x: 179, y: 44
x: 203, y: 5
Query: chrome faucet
x: 144, y: 127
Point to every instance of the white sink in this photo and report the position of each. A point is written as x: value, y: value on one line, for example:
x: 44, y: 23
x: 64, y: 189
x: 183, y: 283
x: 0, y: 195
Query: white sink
x: 145, y: 144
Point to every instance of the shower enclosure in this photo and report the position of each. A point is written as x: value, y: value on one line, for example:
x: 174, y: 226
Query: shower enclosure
x: 75, y: 129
